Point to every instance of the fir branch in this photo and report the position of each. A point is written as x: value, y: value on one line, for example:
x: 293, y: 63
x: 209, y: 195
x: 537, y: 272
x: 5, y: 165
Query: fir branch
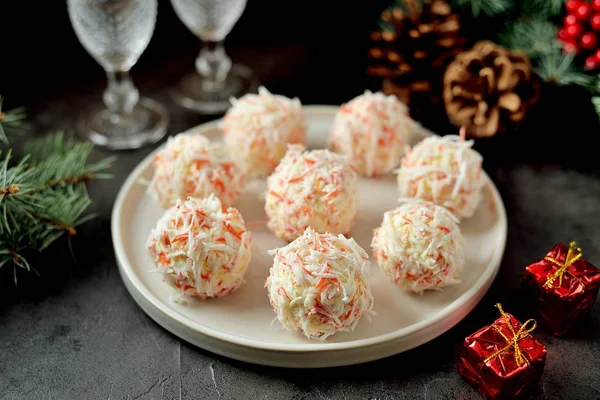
x: 558, y: 68
x: 56, y: 144
x: 44, y: 196
x: 596, y: 103
x: 533, y: 37
x: 595, y: 89
x: 11, y: 122
x: 541, y: 9
x: 596, y: 86
x: 489, y: 8
x: 60, y: 226
x: 66, y: 160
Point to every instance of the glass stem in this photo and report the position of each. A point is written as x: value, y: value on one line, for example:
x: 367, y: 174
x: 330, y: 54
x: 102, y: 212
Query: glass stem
x: 121, y: 95
x: 213, y: 65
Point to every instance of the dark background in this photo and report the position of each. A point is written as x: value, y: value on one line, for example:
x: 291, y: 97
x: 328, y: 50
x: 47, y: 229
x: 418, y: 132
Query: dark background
x: 75, y: 333
x: 313, y: 49
x: 326, y: 41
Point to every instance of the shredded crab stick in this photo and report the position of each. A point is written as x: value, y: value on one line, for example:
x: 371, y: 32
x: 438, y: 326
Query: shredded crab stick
x: 201, y: 247
x: 419, y: 246
x: 316, y: 189
x: 372, y: 131
x: 320, y: 284
x: 192, y: 165
x: 258, y: 128
x: 444, y: 170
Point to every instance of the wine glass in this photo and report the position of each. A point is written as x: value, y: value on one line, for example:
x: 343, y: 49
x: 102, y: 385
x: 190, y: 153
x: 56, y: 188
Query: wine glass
x: 116, y: 33
x: 216, y: 80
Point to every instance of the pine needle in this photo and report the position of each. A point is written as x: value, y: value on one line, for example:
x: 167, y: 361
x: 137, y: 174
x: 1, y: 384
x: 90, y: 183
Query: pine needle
x: 558, y: 68
x: 44, y: 197
x: 489, y: 8
x: 595, y: 89
x: 11, y: 122
x: 533, y: 37
x: 541, y: 9
x: 595, y: 86
x: 411, y: 8
x: 596, y: 103
x: 55, y: 144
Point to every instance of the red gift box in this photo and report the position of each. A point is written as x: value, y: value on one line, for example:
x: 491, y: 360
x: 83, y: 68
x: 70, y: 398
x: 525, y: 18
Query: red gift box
x: 565, y: 287
x: 503, y: 360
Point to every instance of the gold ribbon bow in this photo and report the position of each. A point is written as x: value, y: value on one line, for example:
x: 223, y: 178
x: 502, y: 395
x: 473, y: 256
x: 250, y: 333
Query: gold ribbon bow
x: 574, y: 254
x: 513, y: 342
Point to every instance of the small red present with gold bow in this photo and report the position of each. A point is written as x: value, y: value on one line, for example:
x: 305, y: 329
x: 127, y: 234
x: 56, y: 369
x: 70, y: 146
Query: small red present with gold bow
x: 503, y: 360
x: 565, y: 287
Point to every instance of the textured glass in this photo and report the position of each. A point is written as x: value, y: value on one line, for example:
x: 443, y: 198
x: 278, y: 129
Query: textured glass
x: 114, y: 32
x: 216, y: 79
x: 210, y: 20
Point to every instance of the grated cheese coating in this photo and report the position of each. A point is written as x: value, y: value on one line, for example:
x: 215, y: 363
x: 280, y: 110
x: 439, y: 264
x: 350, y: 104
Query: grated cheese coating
x: 316, y: 189
x: 320, y: 284
x: 372, y: 130
x: 201, y: 248
x: 192, y: 165
x: 444, y: 170
x: 258, y: 128
x: 419, y: 246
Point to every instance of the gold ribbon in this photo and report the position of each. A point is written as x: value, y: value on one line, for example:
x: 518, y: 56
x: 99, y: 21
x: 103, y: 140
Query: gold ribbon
x: 513, y: 342
x: 574, y: 254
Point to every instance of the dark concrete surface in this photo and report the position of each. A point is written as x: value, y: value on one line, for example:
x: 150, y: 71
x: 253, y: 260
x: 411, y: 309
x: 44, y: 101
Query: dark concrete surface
x: 75, y: 333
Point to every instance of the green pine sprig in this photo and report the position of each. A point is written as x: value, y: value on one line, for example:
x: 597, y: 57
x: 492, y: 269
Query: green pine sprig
x: 595, y: 89
x: 535, y: 35
x: 11, y: 122
x: 540, y: 9
x: 523, y: 8
x: 44, y: 197
x: 488, y: 8
x: 532, y: 37
x: 559, y: 68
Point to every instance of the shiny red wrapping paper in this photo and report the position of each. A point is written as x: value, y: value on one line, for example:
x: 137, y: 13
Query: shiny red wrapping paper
x: 560, y: 304
x: 501, y: 376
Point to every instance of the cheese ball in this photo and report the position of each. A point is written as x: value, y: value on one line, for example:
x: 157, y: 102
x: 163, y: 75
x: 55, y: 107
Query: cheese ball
x: 320, y: 284
x: 419, y: 246
x: 201, y: 248
x: 193, y: 166
x: 446, y: 171
x: 258, y: 128
x: 372, y: 131
x: 316, y: 189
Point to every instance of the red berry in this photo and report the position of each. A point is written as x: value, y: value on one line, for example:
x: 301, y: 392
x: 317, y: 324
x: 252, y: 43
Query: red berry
x: 562, y: 34
x: 596, y: 5
x: 571, y: 19
x: 589, y: 41
x: 591, y: 63
x: 583, y: 12
x: 597, y: 55
x: 573, y: 31
x: 570, y: 48
x: 572, y: 5
x: 595, y: 22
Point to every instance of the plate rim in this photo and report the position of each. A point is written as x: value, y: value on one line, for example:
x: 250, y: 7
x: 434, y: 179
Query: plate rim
x: 126, y: 270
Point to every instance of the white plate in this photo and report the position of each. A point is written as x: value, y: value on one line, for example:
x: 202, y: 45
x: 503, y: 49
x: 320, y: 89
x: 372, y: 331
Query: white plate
x: 239, y: 325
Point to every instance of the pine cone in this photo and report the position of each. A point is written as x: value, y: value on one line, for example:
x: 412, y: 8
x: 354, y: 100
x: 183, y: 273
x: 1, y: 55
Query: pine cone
x: 418, y: 39
x: 488, y: 89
